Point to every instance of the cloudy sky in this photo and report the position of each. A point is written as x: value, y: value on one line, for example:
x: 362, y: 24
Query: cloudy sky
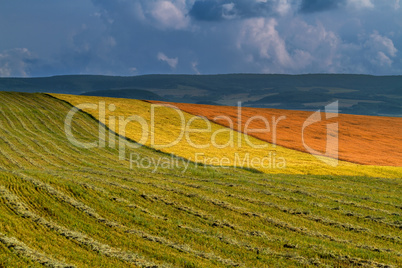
x: 133, y: 37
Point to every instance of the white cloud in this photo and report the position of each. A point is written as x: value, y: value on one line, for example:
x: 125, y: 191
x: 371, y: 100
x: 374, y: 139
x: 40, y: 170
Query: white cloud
x: 228, y: 11
x: 283, y: 7
x: 382, y: 59
x: 138, y: 11
x: 194, y: 65
x: 300, y: 47
x: 132, y: 70
x: 172, y: 62
x: 381, y: 49
x: 382, y: 43
x: 169, y: 15
x: 321, y: 44
x: 260, y: 34
x: 360, y: 4
x: 396, y: 5
x: 110, y: 41
x: 14, y: 62
x: 160, y: 14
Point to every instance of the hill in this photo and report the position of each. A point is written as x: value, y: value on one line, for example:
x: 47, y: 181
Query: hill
x: 66, y: 206
x: 357, y: 94
x: 125, y: 93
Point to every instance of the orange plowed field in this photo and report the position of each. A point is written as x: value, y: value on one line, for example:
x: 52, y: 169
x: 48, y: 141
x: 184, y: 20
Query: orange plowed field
x: 369, y: 140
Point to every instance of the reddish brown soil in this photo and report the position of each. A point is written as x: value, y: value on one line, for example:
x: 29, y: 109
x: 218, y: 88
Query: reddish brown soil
x: 369, y: 140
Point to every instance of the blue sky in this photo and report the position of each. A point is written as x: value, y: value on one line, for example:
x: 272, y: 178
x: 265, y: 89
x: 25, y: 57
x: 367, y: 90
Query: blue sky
x: 134, y: 37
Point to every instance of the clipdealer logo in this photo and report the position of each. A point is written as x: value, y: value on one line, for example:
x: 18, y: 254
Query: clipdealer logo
x: 147, y: 131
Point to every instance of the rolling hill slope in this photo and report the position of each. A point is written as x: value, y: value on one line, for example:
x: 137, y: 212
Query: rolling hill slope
x: 215, y: 145
x: 357, y: 94
x: 125, y: 93
x: 64, y: 206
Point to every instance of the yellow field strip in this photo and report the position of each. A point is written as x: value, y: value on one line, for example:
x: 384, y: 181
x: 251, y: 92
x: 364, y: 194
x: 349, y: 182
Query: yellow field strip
x: 201, y: 141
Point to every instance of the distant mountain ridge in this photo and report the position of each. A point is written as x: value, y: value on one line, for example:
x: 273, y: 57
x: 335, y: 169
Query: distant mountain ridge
x: 125, y: 93
x: 357, y: 94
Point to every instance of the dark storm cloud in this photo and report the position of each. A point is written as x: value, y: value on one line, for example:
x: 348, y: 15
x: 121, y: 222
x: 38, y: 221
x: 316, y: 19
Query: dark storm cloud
x: 217, y: 10
x: 207, y: 10
x: 311, y: 6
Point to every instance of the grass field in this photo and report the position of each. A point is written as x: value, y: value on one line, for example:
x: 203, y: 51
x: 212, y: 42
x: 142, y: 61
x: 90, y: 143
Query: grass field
x: 168, y: 126
x: 63, y: 206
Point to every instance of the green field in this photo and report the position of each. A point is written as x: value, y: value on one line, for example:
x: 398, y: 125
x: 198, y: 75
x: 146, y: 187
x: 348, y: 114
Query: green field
x: 62, y: 206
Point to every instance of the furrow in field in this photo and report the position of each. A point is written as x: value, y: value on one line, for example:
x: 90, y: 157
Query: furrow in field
x: 154, y: 185
x: 20, y: 138
x: 204, y: 198
x: 39, y: 134
x: 305, y: 204
x: 88, y: 128
x: 316, y: 190
x: 282, y: 208
x: 319, y: 251
x: 223, y: 238
x: 85, y: 124
x: 92, y: 213
x: 315, y: 218
x: 274, y: 221
x: 34, y: 155
x: 8, y: 159
x: 180, y: 207
x: 301, y: 188
x: 23, y: 250
x: 106, y: 182
x: 21, y: 209
x: 47, y: 124
x: 297, y: 190
x: 210, y: 219
x: 37, y: 131
x: 29, y: 161
x: 326, y: 221
x: 320, y: 219
x: 313, y: 203
x: 308, y: 216
x: 65, y: 198
x: 307, y: 192
x: 42, y: 110
x: 304, y: 191
x: 367, y: 198
x: 190, y: 211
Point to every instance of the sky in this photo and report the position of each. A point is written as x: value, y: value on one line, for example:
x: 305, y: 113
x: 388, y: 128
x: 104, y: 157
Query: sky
x: 135, y: 37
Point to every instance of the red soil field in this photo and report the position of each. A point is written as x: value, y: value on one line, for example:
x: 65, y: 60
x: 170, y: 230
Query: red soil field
x: 368, y: 140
